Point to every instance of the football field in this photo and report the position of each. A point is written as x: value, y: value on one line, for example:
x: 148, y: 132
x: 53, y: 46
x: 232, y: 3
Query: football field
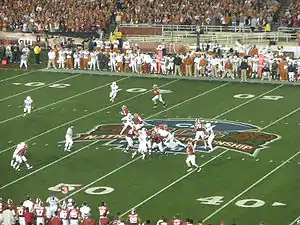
x: 252, y: 175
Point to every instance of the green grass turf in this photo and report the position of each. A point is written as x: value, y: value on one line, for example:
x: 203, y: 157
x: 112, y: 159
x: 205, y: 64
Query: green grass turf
x: 159, y: 185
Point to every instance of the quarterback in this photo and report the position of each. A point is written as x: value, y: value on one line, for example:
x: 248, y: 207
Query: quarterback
x: 27, y: 105
x: 142, y: 138
x: 157, y: 96
x: 127, y: 119
x: 19, y: 157
x: 211, y: 135
x: 114, y: 88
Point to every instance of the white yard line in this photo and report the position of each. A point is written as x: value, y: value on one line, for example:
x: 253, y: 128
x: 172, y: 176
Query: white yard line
x: 173, y: 183
x: 20, y: 75
x: 252, y: 186
x: 63, y: 100
x: 72, y: 153
x: 267, y: 175
x: 186, y: 175
x: 39, y: 87
x: 79, y: 118
x: 295, y: 221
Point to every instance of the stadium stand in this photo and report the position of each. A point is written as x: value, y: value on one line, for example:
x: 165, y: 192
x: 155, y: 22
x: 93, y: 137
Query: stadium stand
x: 291, y: 16
x: 75, y: 16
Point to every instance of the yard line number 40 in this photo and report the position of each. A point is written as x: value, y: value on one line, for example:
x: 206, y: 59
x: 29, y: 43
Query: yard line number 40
x: 92, y: 190
x: 245, y: 203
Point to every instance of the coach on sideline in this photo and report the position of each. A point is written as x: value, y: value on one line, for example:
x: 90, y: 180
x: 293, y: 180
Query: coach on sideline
x: 37, y: 53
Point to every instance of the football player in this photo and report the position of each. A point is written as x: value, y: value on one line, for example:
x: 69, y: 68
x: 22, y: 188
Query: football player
x: 133, y: 218
x: 157, y: 141
x: 53, y: 203
x: 69, y: 139
x: 19, y: 157
x: 103, y: 209
x: 200, y: 131
x: 191, y: 157
x: 142, y: 139
x: 85, y: 210
x: 157, y: 96
x: 113, y: 92
x: 2, y: 208
x: 210, y: 134
x: 127, y: 119
x: 129, y: 138
x: 138, y: 121
x: 40, y: 213
x: 27, y: 105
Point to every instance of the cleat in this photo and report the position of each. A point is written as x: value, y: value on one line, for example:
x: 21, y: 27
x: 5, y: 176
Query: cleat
x: 30, y: 167
x: 144, y: 156
x: 155, y: 106
x: 199, y: 169
x: 189, y: 170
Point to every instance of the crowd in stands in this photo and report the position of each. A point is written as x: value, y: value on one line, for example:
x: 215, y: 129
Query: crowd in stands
x: 291, y: 18
x: 76, y: 16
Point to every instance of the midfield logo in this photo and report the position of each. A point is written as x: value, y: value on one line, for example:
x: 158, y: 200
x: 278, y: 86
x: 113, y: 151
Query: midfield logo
x: 241, y: 137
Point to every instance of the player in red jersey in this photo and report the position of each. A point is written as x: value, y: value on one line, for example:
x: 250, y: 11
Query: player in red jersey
x: 74, y: 216
x: 200, y: 131
x: 191, y: 157
x: 131, y: 134
x: 127, y: 119
x: 63, y: 214
x: 157, y: 141
x: 20, y: 214
x: 138, y: 121
x: 2, y: 208
x: 103, y: 209
x: 19, y: 156
x: 133, y: 218
x: 158, y: 96
x: 103, y: 220
x: 40, y: 213
x: 176, y: 221
x: 162, y: 221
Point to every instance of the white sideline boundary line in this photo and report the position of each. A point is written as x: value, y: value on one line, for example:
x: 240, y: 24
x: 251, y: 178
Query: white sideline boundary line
x: 20, y: 75
x: 63, y: 100
x: 186, y: 175
x: 72, y: 153
x: 39, y: 87
x: 252, y: 186
x: 294, y: 221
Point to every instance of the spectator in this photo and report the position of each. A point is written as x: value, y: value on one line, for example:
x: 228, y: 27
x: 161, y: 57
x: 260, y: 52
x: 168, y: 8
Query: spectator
x: 177, y: 63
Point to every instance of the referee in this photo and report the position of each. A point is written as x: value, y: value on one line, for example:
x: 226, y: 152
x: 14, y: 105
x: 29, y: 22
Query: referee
x: 37, y: 53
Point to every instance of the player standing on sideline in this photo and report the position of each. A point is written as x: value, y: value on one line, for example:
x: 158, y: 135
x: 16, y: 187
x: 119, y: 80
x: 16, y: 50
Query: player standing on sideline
x: 114, y: 88
x: 27, y: 105
x: 211, y: 135
x: 19, y: 157
x: 23, y: 61
x: 53, y: 203
x: 133, y: 218
x: 69, y: 139
x: 191, y: 157
x: 157, y: 96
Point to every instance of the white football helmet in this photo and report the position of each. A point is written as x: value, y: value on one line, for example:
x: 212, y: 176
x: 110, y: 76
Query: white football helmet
x: 114, y: 83
x: 28, y: 98
x: 208, y: 125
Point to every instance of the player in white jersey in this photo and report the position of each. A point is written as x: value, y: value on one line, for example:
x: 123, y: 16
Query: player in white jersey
x: 76, y: 57
x: 27, y: 105
x: 255, y: 61
x: 61, y: 59
x: 235, y: 64
x: 93, y: 60
x: 19, y: 157
x: 112, y: 61
x: 69, y: 139
x: 53, y: 204
x: 23, y: 61
x: 85, y: 210
x: 114, y: 89
x: 127, y: 119
x: 211, y: 134
x: 142, y: 139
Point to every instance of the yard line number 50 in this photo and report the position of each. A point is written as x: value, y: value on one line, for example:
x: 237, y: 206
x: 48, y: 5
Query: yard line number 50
x: 92, y: 190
